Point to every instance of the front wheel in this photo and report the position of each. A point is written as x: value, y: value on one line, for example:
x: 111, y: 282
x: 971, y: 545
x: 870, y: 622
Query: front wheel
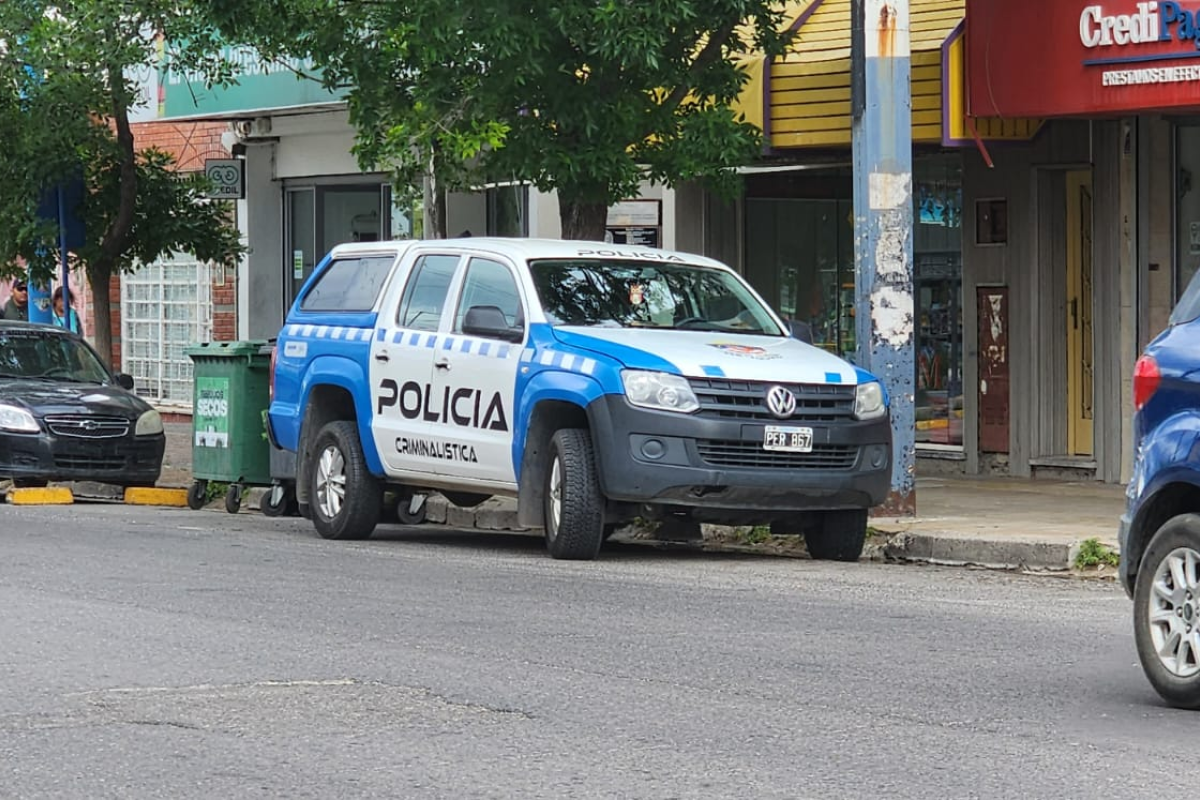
x: 1166, y: 612
x: 574, y: 505
x: 837, y: 535
x: 346, y: 498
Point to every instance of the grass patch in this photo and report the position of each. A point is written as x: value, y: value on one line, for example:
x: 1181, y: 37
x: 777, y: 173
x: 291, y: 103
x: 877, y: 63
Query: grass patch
x: 1092, y: 553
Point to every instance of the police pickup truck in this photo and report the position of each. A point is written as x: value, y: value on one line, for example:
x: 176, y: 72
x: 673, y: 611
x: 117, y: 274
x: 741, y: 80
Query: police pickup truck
x: 596, y: 383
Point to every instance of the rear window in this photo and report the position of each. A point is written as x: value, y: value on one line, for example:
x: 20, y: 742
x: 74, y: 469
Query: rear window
x: 1188, y: 307
x: 349, y: 284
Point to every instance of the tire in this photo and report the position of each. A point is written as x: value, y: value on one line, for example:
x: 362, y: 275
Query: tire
x: 345, y: 498
x: 233, y: 498
x: 1176, y: 676
x: 197, y: 495
x: 574, y: 506
x: 837, y: 535
x: 271, y: 507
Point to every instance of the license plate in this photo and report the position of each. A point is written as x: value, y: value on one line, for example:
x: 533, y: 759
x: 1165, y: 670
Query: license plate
x: 788, y: 440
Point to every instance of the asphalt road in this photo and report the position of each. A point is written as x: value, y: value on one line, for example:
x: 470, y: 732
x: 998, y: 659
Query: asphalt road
x: 179, y: 654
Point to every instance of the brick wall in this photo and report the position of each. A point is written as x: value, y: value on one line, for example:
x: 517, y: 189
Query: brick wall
x: 191, y: 143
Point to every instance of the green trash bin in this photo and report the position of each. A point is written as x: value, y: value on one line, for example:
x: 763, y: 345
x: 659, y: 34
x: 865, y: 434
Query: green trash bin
x: 229, y: 438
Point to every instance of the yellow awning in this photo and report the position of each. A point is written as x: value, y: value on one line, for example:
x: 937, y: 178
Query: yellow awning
x: 809, y: 88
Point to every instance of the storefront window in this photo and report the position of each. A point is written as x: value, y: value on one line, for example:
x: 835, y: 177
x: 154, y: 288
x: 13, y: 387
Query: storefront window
x: 800, y: 252
x: 1187, y: 207
x: 937, y: 257
x: 800, y: 258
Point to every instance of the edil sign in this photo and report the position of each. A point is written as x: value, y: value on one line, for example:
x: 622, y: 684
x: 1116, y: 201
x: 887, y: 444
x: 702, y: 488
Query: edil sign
x: 1094, y: 59
x: 1096, y: 29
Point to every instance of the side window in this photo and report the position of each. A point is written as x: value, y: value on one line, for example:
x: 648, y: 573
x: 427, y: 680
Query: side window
x: 425, y: 295
x: 349, y: 284
x: 489, y: 283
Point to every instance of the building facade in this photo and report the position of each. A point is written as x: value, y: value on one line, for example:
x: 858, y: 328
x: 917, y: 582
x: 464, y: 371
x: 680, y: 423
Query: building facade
x: 1054, y: 212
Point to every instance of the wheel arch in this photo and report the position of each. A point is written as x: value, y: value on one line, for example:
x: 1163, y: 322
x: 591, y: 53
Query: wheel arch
x: 1177, y: 493
x: 546, y: 418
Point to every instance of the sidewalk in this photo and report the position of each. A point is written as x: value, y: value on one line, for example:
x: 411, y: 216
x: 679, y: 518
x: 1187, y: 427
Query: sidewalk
x: 995, y: 522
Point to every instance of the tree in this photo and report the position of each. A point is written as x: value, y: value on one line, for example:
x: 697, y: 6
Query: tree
x: 586, y: 97
x: 65, y: 97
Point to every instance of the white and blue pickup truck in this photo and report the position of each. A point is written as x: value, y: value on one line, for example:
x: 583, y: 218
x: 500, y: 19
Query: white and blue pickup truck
x: 596, y: 383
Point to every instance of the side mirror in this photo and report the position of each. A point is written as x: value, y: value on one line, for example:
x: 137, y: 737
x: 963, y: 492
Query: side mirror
x: 490, y: 323
x: 124, y: 380
x: 801, y: 331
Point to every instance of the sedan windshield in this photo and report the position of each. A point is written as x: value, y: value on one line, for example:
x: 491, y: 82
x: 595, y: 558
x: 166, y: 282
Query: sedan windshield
x: 49, y: 356
x: 645, y: 294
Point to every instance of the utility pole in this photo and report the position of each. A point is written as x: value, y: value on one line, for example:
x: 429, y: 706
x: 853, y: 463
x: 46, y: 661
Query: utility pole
x: 881, y: 103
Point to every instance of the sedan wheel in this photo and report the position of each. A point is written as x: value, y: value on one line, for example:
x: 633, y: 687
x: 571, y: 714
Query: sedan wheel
x: 1167, y: 611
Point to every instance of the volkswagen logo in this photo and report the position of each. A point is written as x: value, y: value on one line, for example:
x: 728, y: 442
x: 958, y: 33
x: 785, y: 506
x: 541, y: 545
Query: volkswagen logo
x: 781, y: 402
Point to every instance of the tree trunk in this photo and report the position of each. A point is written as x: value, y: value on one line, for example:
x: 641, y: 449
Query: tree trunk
x: 99, y: 278
x: 583, y: 220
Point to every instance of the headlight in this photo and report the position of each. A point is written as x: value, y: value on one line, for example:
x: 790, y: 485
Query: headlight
x: 17, y: 420
x: 659, y: 390
x: 868, y: 401
x: 149, y: 424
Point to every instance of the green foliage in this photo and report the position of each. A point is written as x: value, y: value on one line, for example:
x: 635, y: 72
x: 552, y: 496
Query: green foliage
x: 587, y: 98
x: 1092, y: 553
x: 65, y: 95
x: 759, y: 534
x: 215, y: 490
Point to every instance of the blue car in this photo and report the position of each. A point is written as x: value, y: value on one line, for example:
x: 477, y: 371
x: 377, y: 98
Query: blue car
x: 1160, y: 529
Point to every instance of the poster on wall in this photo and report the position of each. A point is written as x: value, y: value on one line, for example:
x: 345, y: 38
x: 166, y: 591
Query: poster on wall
x: 636, y: 222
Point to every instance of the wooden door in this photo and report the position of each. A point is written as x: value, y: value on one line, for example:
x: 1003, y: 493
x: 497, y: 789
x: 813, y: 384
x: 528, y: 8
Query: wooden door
x: 992, y: 302
x: 1080, y: 343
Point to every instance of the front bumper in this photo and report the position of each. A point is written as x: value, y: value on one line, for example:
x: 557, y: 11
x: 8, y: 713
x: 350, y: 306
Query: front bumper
x: 719, y: 463
x: 124, y: 460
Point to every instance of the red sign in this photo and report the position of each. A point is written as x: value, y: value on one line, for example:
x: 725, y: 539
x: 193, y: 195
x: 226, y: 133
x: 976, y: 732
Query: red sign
x: 1047, y: 58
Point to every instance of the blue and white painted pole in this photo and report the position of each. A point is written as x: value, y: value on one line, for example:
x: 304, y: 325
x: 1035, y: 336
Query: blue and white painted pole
x: 881, y: 101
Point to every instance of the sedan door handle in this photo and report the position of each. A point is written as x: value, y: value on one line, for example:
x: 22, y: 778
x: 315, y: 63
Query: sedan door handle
x: 382, y: 356
x: 442, y: 363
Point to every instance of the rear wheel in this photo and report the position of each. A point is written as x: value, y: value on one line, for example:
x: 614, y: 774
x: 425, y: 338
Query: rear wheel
x: 837, y: 535
x: 346, y: 499
x: 1166, y: 612
x: 574, y: 505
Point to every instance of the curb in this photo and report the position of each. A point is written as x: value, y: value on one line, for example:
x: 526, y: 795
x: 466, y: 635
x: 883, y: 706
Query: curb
x: 952, y: 550
x: 45, y: 496
x: 944, y: 548
x: 145, y: 496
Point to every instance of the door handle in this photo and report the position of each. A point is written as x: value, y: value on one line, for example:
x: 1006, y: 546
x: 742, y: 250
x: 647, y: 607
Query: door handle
x: 442, y: 363
x: 381, y: 356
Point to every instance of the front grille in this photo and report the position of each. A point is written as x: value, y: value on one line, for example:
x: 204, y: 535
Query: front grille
x: 81, y: 427
x: 730, y: 453
x: 815, y: 402
x: 106, y: 463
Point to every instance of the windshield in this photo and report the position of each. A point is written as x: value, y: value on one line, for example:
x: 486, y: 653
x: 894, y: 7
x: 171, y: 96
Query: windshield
x: 647, y: 294
x: 1188, y: 307
x: 48, y: 356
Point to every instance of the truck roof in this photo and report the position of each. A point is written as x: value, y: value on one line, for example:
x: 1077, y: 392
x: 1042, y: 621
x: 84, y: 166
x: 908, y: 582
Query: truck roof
x: 529, y: 249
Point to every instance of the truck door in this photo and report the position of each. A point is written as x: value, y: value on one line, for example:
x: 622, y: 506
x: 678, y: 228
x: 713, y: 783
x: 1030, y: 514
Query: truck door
x: 475, y: 374
x: 402, y: 354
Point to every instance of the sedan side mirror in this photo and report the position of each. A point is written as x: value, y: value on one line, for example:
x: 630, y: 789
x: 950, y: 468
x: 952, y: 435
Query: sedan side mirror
x: 490, y: 323
x: 124, y: 380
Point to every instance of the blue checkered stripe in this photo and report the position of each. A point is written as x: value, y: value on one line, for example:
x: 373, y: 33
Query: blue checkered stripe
x: 448, y: 342
x: 567, y: 362
x: 335, y: 332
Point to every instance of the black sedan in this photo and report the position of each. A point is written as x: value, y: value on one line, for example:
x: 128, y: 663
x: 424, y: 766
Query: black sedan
x: 65, y: 417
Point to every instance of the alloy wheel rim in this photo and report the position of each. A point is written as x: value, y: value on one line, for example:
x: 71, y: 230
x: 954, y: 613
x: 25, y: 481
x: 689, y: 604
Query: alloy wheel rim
x: 555, y: 496
x: 1174, y: 612
x: 331, y: 482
